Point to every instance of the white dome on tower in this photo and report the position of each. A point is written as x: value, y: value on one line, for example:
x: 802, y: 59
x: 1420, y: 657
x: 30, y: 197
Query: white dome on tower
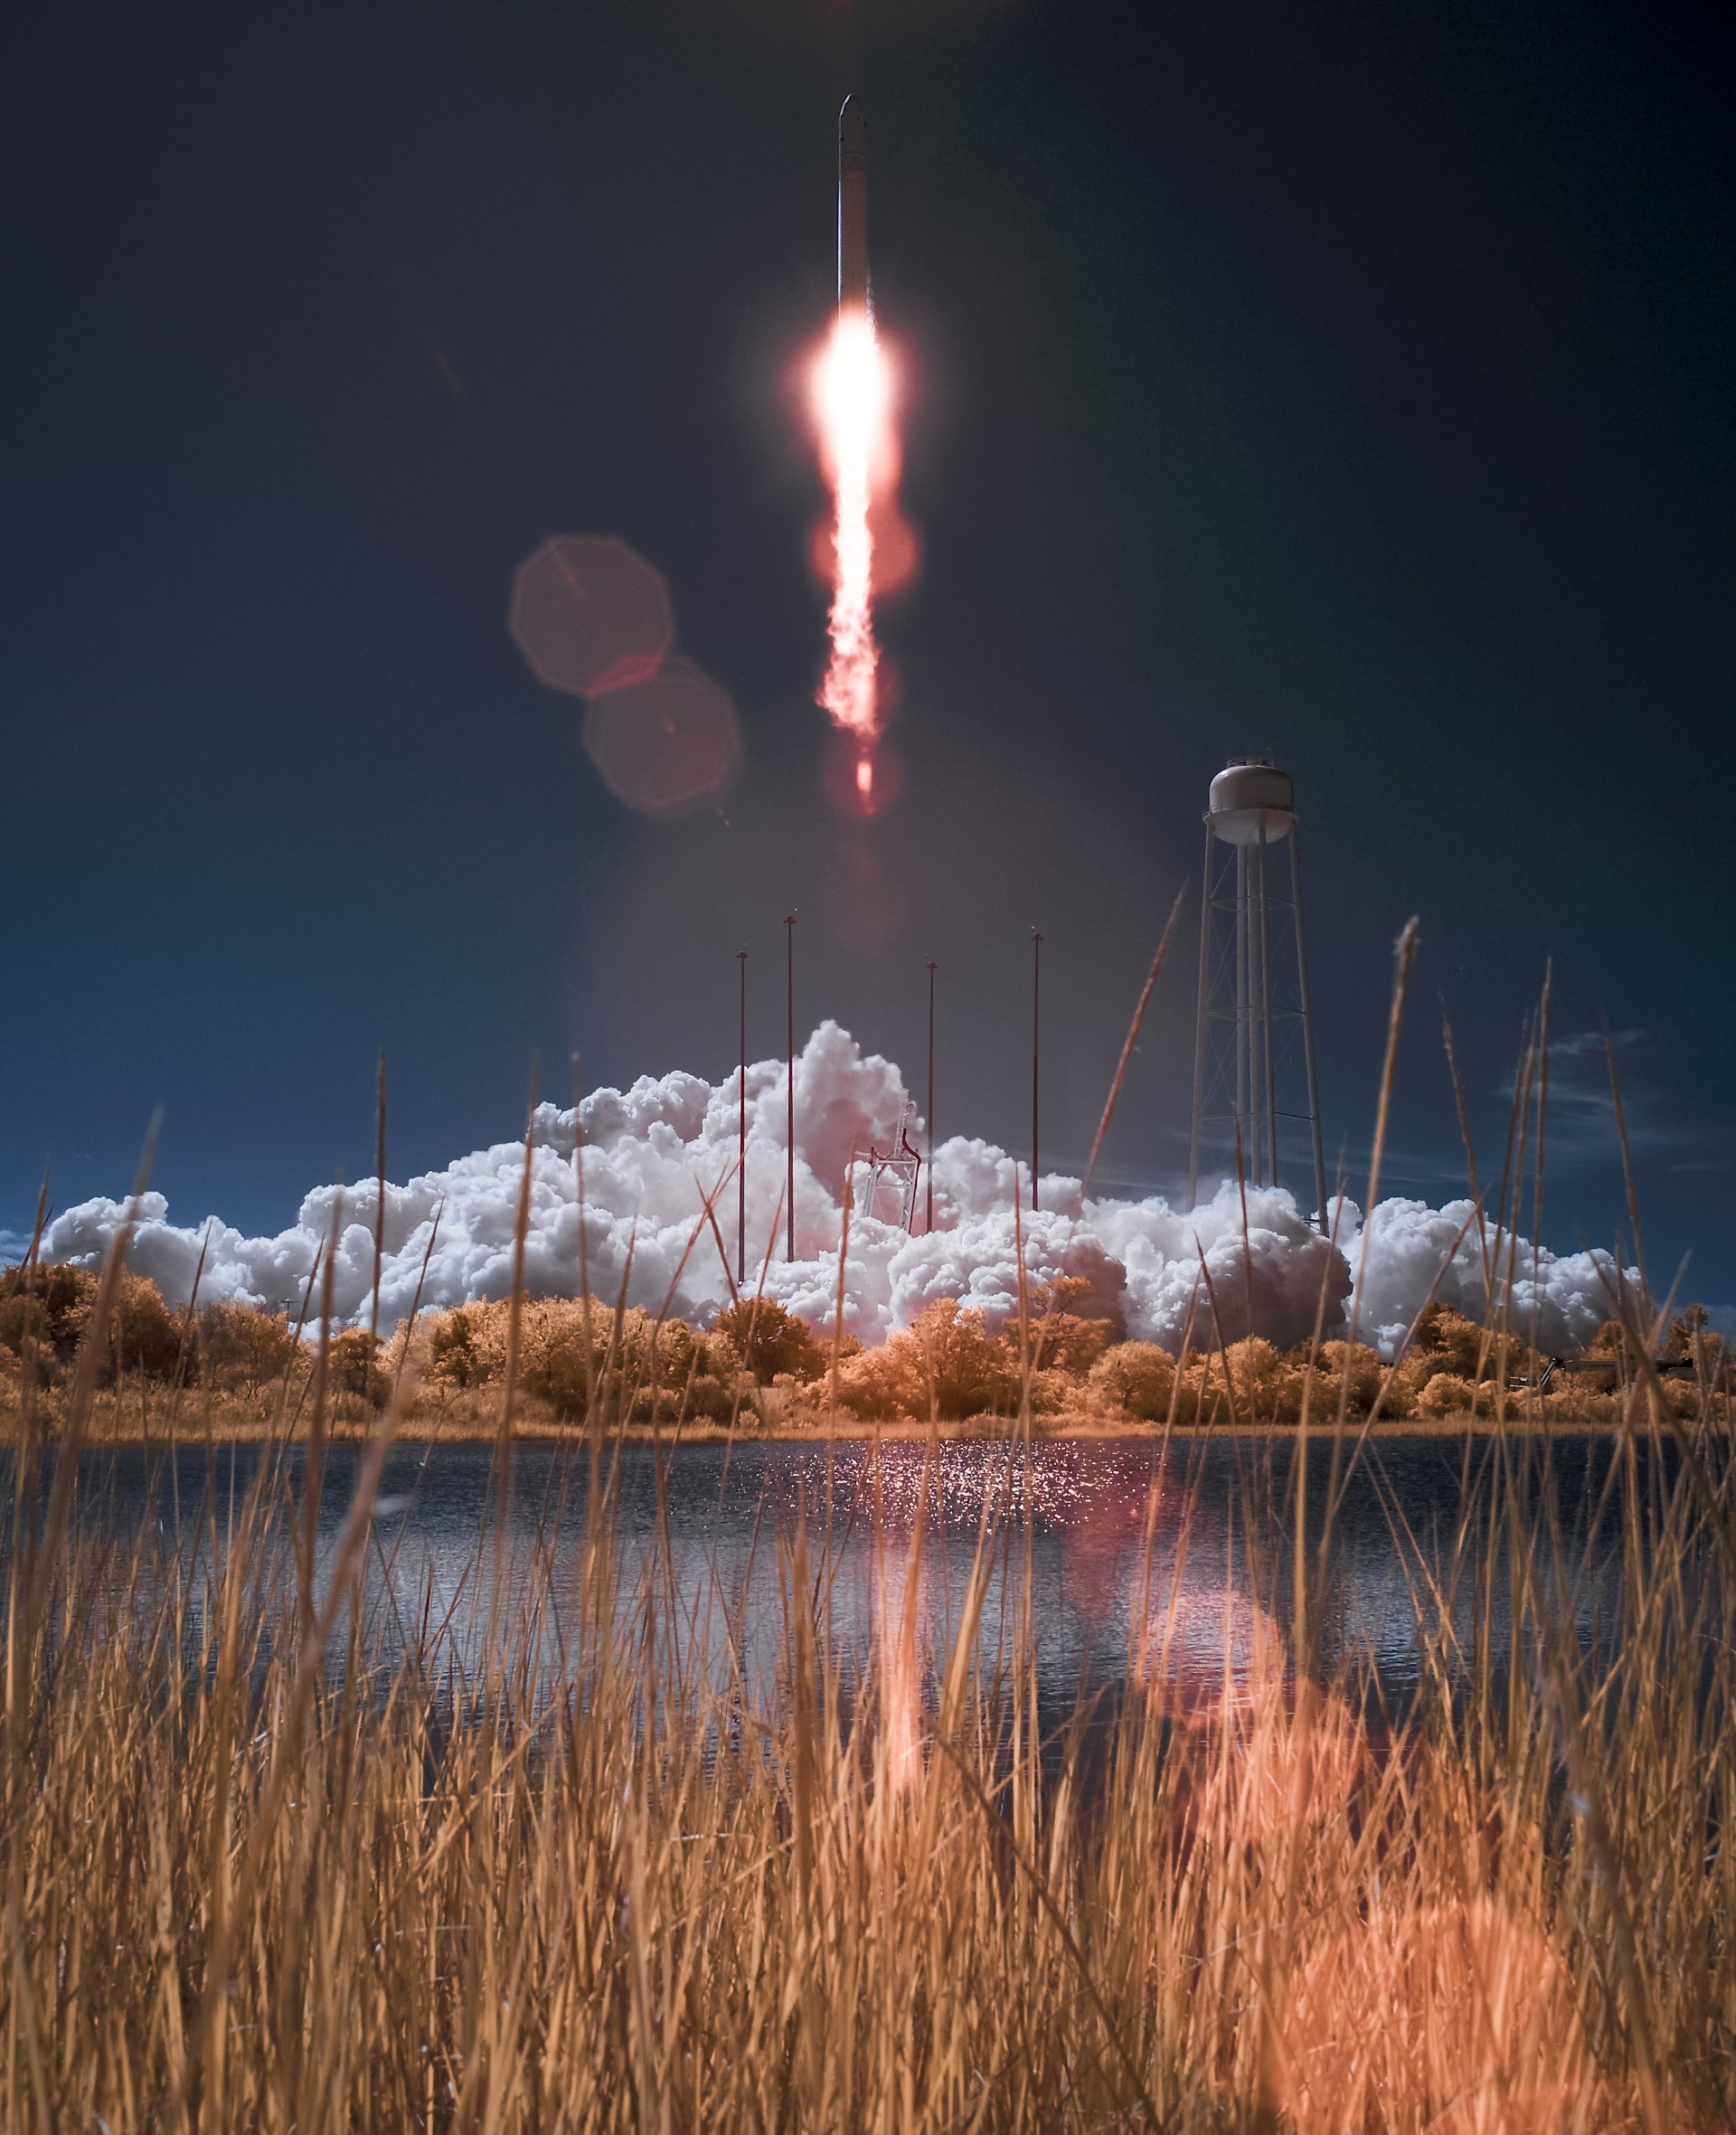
x: 1248, y: 796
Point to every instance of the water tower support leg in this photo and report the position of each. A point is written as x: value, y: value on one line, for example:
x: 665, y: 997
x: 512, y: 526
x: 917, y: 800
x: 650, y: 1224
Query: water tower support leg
x: 1307, y: 1029
x: 1244, y: 1041
x: 1265, y: 1015
x: 1199, y: 1026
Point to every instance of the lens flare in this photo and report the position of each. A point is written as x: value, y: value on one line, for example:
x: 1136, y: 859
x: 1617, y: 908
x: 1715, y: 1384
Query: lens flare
x: 853, y: 403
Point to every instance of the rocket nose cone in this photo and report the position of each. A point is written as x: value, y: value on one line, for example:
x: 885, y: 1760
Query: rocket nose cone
x: 852, y: 137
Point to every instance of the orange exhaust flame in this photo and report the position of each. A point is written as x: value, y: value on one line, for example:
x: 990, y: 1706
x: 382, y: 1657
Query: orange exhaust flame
x: 853, y: 403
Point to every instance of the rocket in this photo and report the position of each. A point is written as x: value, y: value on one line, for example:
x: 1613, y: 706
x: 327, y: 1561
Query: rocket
x: 852, y: 208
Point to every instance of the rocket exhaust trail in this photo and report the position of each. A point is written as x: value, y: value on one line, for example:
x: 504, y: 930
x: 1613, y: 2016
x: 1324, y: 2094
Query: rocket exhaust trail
x: 852, y: 402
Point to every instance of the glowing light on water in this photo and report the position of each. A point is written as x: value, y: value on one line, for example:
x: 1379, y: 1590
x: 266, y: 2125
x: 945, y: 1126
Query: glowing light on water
x: 902, y: 1603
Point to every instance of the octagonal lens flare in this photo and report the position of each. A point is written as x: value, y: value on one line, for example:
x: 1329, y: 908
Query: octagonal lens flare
x: 590, y: 615
x: 665, y: 744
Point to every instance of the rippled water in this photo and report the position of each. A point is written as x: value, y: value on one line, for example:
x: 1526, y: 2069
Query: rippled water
x: 1174, y: 1567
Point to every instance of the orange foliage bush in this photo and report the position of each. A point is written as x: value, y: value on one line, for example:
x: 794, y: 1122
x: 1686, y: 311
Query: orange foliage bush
x: 240, y: 1344
x: 1135, y: 1378
x: 47, y: 1306
x: 569, y: 1354
x: 946, y: 1362
x: 769, y: 1341
x: 143, y: 1334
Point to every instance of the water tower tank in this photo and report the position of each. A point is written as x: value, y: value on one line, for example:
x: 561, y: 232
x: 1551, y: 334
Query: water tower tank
x: 1247, y: 797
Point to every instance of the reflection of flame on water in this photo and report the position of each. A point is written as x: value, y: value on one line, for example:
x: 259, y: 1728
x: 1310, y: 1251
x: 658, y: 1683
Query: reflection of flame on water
x: 1066, y: 1486
x: 898, y: 1597
x: 1203, y: 1645
x: 897, y: 1588
x: 1097, y: 1539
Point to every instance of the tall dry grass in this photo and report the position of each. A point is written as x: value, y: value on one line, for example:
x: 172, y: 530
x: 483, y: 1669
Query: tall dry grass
x: 530, y: 1870
x: 255, y: 1879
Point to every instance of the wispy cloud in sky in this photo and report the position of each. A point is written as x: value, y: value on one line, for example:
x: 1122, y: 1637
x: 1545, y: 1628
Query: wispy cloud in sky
x: 1581, y: 1125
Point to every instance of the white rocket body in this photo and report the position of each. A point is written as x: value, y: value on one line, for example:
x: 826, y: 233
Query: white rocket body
x: 852, y: 208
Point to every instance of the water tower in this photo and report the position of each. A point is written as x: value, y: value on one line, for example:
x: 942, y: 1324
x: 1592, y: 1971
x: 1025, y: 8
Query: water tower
x: 1254, y: 1018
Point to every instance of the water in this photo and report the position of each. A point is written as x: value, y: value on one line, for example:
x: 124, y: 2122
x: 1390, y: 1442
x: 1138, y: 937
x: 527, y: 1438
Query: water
x: 1173, y: 1568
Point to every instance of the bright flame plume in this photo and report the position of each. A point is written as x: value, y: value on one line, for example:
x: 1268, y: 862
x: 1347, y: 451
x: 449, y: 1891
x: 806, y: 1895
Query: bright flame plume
x: 852, y: 400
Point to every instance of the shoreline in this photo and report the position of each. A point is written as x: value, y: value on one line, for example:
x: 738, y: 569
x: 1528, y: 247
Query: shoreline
x: 1080, y: 1431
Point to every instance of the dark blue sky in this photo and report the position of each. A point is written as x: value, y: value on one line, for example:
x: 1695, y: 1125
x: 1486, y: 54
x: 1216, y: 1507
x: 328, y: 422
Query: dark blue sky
x: 1348, y: 382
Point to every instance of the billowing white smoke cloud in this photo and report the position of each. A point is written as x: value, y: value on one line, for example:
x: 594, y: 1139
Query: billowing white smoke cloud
x: 1559, y: 1300
x: 650, y: 1153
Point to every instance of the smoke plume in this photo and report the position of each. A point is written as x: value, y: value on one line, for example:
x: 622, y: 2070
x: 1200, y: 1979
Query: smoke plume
x: 623, y: 1179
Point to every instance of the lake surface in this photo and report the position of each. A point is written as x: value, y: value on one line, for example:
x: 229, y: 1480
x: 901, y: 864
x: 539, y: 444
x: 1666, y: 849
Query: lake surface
x: 1172, y: 1568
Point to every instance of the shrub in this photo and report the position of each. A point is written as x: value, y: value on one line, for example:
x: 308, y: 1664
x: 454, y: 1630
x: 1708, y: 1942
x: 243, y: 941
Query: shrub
x: 663, y: 1372
x: 1683, y: 1396
x: 1323, y: 1388
x: 1688, y: 1331
x: 562, y: 1350
x: 241, y: 1342
x: 1573, y: 1403
x: 1357, y: 1362
x: 567, y: 1356
x: 1054, y: 1392
x: 1258, y: 1373
x: 1692, y: 1341
x: 878, y: 1385
x: 454, y: 1350
x: 675, y: 1371
x: 1447, y: 1394
x: 52, y: 1308
x: 1199, y: 1392
x: 1407, y: 1381
x: 769, y: 1341
x: 1135, y: 1377
x: 799, y: 1404
x: 944, y: 1359
x: 1279, y: 1395
x: 1458, y: 1344
x: 969, y: 1371
x: 143, y: 1334
x: 49, y: 1304
x: 1070, y: 1325
x: 1461, y: 1347
x: 352, y: 1361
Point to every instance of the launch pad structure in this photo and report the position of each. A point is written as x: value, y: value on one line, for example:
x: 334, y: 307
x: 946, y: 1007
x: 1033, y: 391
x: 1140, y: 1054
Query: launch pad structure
x: 900, y: 1166
x: 1254, y: 1005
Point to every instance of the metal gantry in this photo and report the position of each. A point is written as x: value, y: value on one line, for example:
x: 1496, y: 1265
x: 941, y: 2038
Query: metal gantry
x: 901, y: 1166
